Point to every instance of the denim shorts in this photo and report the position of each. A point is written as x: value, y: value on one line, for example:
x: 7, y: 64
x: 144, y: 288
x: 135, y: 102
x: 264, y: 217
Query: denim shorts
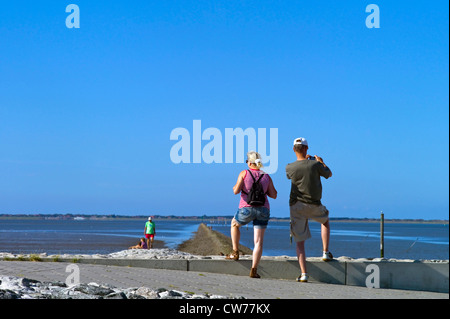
x: 259, y: 215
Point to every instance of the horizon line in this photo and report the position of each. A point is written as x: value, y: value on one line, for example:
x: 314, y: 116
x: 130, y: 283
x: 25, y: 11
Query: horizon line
x: 196, y: 216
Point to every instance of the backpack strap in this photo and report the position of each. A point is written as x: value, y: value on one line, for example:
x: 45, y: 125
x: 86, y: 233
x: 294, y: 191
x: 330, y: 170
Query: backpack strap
x: 260, y: 176
x: 252, y: 175
x: 254, y: 180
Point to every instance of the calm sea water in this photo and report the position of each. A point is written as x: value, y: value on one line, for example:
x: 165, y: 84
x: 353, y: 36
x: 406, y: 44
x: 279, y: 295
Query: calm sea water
x: 353, y: 239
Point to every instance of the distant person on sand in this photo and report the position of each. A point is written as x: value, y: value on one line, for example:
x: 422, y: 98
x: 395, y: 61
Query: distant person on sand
x: 252, y: 207
x: 149, y: 232
x: 141, y: 245
x: 305, y: 201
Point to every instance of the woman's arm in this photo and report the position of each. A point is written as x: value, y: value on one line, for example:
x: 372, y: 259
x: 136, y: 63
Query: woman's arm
x: 240, y: 181
x: 271, y: 191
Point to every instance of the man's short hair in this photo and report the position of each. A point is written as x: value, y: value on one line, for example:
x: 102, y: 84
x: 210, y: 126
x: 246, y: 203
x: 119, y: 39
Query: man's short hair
x: 300, y: 144
x: 299, y: 148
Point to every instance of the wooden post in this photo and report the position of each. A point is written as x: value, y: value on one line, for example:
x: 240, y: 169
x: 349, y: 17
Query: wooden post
x: 382, y: 235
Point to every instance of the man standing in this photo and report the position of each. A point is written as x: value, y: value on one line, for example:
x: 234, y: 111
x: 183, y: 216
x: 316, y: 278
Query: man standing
x: 305, y: 201
x: 149, y: 232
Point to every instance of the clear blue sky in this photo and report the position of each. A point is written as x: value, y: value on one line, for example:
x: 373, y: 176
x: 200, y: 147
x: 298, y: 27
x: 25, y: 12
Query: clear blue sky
x: 86, y: 114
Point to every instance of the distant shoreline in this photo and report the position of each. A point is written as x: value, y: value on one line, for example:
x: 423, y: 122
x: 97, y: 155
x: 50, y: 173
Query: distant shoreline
x: 206, y: 219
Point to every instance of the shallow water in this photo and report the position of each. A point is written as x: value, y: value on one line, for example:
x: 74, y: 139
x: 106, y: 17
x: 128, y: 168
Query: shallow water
x: 353, y: 239
x: 358, y: 240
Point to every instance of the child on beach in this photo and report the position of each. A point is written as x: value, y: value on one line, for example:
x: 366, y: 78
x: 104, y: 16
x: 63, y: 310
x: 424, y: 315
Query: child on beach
x: 141, y: 245
x: 257, y: 211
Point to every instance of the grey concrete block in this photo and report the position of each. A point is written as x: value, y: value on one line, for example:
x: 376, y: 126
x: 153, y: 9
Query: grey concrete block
x: 170, y: 264
x: 401, y: 275
x: 277, y: 269
x: 424, y: 276
x: 328, y: 272
x: 231, y: 267
x: 331, y: 272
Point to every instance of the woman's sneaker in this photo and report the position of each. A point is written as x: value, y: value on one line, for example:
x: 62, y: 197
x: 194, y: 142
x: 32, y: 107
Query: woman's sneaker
x: 303, y: 278
x: 327, y: 256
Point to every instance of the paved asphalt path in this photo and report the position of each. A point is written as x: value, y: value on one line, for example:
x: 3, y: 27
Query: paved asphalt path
x: 201, y: 283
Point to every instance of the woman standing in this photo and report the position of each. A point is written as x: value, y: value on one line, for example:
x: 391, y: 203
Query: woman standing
x: 249, y: 210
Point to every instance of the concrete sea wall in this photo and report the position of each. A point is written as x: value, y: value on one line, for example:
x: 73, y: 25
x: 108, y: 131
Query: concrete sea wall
x: 409, y: 275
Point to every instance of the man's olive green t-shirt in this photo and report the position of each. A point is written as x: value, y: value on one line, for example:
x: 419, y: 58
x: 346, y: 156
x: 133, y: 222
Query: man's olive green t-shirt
x: 305, y: 177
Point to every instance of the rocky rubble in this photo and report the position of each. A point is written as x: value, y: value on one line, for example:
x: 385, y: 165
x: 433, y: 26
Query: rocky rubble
x: 157, y: 253
x: 24, y: 288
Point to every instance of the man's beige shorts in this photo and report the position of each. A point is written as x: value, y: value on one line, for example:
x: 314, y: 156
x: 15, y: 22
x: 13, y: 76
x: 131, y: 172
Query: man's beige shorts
x: 300, y: 213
